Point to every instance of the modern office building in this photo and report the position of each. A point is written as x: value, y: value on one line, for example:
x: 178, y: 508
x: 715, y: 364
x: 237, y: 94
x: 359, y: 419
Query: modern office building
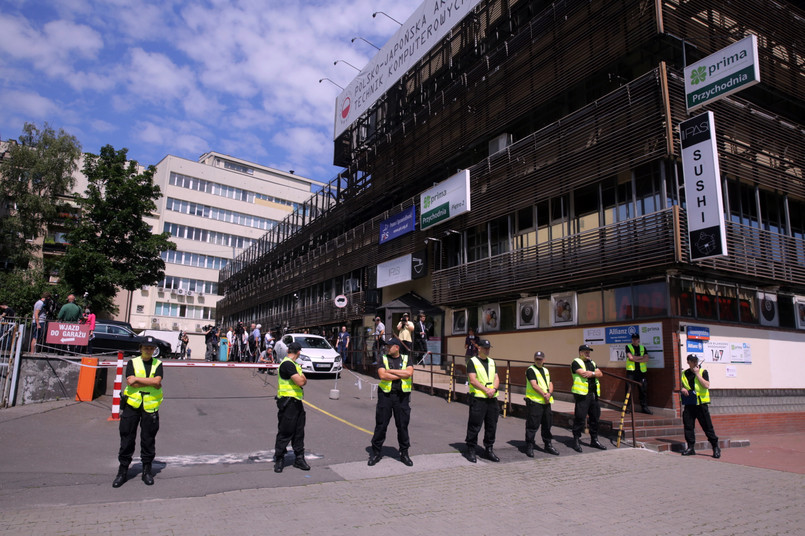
x: 214, y: 209
x: 516, y: 166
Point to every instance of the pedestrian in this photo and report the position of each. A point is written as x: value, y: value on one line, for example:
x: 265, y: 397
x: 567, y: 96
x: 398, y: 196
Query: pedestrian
x: 405, y: 330
x: 636, y: 367
x: 422, y: 332
x: 483, y: 387
x: 140, y: 402
x: 696, y: 402
x: 538, y: 400
x: 379, y: 333
x: 211, y: 341
x: 70, y: 311
x: 396, y: 373
x: 586, y: 391
x: 471, y: 344
x: 291, y: 411
x: 89, y: 319
x: 343, y: 344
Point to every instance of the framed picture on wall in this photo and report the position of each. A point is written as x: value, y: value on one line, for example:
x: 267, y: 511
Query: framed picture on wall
x: 527, y: 313
x: 799, y: 311
x: 459, y: 321
x: 563, y: 309
x: 490, y: 318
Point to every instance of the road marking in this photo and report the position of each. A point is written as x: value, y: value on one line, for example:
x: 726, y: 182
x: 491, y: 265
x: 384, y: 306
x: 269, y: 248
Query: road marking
x: 337, y: 418
x: 264, y: 456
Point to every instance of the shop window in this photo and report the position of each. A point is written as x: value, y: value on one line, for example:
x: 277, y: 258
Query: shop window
x: 508, y: 316
x: 747, y: 306
x: 706, y: 305
x: 684, y: 293
x: 651, y: 299
x: 618, y: 304
x: 590, y: 307
x: 727, y: 304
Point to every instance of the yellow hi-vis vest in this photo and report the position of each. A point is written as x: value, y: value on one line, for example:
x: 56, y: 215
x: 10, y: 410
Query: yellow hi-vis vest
x: 288, y: 388
x: 702, y: 394
x: 149, y: 398
x: 484, y: 378
x: 580, y: 385
x: 385, y: 385
x: 630, y: 365
x: 533, y: 394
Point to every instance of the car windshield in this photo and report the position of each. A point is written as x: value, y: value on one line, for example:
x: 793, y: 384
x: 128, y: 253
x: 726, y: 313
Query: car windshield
x: 313, y: 342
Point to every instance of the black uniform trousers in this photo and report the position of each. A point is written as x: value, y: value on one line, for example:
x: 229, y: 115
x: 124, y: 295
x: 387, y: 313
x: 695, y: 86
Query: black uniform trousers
x: 130, y: 418
x: 538, y: 415
x: 586, y: 407
x: 290, y: 426
x: 690, y: 415
x: 394, y: 403
x: 638, y: 376
x: 483, y: 411
x: 420, y: 348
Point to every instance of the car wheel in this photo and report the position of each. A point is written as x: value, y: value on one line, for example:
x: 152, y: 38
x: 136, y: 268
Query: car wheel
x: 156, y: 352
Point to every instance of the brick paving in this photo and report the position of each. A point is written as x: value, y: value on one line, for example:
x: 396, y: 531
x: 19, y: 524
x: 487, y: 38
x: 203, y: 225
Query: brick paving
x: 625, y: 492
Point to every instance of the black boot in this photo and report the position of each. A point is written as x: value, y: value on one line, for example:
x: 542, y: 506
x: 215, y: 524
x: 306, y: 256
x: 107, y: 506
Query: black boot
x: 471, y: 454
x: 300, y: 463
x: 549, y: 448
x: 122, y: 476
x: 576, y: 444
x: 716, y: 451
x: 148, y: 478
x: 689, y: 450
x: 647, y: 411
x: 490, y: 455
x: 279, y: 464
x: 529, y: 449
x: 405, y: 458
x: 596, y: 444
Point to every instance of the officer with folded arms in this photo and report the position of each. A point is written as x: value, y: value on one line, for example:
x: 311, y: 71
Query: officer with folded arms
x: 484, y: 383
x: 291, y: 411
x: 586, y: 391
x: 140, y: 402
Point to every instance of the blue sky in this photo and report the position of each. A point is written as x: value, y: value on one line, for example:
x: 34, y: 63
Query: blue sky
x: 185, y: 77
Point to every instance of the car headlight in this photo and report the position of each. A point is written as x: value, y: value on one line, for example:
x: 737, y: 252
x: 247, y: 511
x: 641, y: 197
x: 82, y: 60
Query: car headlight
x: 337, y: 359
x: 303, y: 357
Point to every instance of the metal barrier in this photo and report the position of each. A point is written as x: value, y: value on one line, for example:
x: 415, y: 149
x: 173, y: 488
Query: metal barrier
x: 12, y: 335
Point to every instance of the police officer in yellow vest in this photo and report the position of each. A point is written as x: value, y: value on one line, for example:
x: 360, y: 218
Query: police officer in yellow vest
x: 140, y: 403
x: 396, y: 372
x: 538, y: 400
x: 636, y: 367
x: 291, y: 411
x: 696, y: 401
x: 484, y: 383
x: 586, y: 390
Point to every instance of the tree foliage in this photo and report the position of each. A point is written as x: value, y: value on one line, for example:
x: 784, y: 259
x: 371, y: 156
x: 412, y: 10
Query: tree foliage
x: 111, y: 246
x: 34, y: 177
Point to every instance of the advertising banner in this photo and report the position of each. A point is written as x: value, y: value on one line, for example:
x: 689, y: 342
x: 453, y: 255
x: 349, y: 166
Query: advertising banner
x: 704, y: 204
x: 722, y: 73
x: 398, y: 225
x: 445, y: 201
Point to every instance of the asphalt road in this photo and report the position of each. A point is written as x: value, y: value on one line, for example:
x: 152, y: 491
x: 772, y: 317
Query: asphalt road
x: 217, y: 430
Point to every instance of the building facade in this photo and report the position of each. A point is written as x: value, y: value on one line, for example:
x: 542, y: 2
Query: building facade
x: 214, y: 209
x: 563, y: 117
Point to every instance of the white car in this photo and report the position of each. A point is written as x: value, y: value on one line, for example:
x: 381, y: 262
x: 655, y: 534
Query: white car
x: 316, y: 357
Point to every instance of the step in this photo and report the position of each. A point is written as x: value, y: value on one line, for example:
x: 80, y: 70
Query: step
x: 677, y: 443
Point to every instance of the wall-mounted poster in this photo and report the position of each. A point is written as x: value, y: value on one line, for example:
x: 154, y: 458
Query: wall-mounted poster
x: 799, y: 310
x: 769, y: 315
x: 527, y: 313
x: 563, y: 309
x: 490, y: 318
x: 459, y: 321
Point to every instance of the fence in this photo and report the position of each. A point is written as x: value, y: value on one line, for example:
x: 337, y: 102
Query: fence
x: 12, y: 337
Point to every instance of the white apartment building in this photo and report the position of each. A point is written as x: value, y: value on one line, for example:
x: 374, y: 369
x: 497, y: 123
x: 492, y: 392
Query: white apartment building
x: 213, y: 208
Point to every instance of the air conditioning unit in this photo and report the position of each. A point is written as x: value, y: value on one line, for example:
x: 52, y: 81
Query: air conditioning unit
x: 173, y: 291
x: 200, y: 293
x: 180, y: 292
x: 175, y: 326
x: 189, y: 292
x: 144, y: 287
x: 161, y: 289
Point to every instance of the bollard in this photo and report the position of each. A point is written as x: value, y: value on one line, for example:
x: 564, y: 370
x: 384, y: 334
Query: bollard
x: 86, y: 380
x: 116, y: 392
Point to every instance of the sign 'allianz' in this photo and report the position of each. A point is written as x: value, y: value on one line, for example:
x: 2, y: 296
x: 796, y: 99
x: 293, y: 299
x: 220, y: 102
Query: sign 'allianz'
x: 731, y: 69
x: 704, y: 203
x: 423, y: 30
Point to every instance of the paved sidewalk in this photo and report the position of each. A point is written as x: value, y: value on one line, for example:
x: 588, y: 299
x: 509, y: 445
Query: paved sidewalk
x: 624, y: 492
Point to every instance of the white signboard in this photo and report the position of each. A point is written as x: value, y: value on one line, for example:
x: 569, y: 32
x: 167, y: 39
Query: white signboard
x: 650, y: 337
x: 394, y: 271
x: 423, y: 30
x: 445, y: 201
x: 706, y: 232
x: 723, y: 73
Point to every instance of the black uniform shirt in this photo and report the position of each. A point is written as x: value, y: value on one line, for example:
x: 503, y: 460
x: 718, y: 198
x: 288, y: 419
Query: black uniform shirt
x: 287, y: 369
x: 531, y: 375
x: 588, y: 365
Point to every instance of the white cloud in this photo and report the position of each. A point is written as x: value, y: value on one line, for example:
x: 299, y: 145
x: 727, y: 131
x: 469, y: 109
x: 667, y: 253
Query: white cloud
x: 28, y: 104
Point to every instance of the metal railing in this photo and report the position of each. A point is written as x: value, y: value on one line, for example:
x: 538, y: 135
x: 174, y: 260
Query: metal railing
x: 12, y: 337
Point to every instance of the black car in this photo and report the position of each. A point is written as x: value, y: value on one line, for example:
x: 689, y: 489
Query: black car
x: 112, y: 336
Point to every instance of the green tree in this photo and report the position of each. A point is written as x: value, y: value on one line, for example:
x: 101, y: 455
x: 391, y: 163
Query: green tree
x: 35, y: 175
x: 111, y: 246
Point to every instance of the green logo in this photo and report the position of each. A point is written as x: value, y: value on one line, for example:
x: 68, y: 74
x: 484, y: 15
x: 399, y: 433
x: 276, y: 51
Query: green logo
x: 698, y: 76
x: 428, y: 201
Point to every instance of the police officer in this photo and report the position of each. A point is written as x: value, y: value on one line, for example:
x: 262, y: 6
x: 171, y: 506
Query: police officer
x: 484, y: 383
x: 636, y: 367
x: 396, y: 372
x: 696, y: 399
x: 140, y: 402
x: 291, y: 411
x: 586, y: 390
x: 538, y: 400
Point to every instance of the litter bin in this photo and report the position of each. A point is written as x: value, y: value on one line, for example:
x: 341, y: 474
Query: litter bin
x: 223, y: 349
